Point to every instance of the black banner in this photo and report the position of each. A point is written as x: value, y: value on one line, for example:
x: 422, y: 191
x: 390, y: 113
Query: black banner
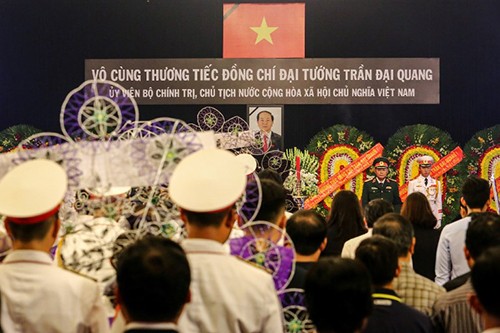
x: 272, y: 81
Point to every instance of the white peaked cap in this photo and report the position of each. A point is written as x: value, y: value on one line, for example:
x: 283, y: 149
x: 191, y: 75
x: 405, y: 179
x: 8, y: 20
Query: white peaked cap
x: 112, y: 191
x: 248, y: 161
x: 208, y: 180
x: 32, y: 192
x: 425, y: 160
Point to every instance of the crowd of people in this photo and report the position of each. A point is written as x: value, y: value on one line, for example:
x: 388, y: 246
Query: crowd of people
x: 372, y: 265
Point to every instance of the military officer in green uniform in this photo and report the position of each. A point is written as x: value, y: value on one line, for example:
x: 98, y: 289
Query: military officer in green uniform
x: 380, y: 186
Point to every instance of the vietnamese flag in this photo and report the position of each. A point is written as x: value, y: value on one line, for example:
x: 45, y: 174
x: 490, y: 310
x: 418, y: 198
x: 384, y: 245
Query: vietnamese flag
x: 264, y: 30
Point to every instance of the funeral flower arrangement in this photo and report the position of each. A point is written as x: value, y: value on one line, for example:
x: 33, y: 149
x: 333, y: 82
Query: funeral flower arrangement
x: 410, y: 142
x: 13, y: 136
x: 302, y: 180
x: 482, y: 156
x: 336, y: 147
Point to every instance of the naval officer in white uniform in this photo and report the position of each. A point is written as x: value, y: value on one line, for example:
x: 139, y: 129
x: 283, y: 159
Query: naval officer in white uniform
x: 429, y: 186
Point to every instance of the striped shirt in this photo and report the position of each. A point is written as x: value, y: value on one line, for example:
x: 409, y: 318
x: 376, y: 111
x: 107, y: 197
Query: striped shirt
x: 453, y: 314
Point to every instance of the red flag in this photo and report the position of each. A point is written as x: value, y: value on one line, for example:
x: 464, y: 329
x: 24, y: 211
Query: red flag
x: 264, y: 30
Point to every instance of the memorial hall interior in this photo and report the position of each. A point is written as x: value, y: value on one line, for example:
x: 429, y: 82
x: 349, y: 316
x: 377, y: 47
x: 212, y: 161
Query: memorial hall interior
x: 45, y: 44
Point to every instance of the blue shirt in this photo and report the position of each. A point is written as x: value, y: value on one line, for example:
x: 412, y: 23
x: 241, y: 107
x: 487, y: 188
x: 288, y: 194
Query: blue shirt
x: 450, y: 257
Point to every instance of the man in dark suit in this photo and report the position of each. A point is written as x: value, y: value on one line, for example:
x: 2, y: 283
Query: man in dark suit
x: 338, y: 295
x: 270, y: 140
x: 307, y: 229
x: 380, y: 256
x: 153, y: 280
x: 381, y: 187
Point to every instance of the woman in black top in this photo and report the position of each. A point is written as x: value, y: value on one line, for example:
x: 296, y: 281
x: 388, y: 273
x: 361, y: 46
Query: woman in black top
x: 345, y: 221
x: 416, y: 208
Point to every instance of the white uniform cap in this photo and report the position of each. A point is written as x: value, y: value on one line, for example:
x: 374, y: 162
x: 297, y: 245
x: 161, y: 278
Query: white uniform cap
x: 32, y: 192
x: 112, y: 191
x: 208, y: 180
x: 248, y: 162
x: 425, y: 160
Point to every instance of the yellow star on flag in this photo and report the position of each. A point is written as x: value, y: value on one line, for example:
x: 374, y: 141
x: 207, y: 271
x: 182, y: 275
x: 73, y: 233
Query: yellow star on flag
x: 264, y: 32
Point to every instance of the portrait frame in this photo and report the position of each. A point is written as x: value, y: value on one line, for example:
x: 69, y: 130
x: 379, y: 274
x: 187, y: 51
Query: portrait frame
x: 276, y: 110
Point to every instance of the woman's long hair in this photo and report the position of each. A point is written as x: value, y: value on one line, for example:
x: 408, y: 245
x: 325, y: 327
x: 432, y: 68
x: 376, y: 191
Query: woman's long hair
x: 417, y: 209
x: 346, y: 216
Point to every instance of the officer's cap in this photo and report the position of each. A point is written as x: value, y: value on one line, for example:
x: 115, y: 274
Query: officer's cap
x: 109, y: 192
x: 248, y: 162
x: 425, y: 161
x: 208, y: 180
x: 380, y: 163
x: 33, y: 191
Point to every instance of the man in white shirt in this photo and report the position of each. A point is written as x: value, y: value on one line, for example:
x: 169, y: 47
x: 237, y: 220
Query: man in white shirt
x: 452, y: 313
x: 450, y: 258
x: 429, y: 186
x: 228, y: 294
x: 36, y: 295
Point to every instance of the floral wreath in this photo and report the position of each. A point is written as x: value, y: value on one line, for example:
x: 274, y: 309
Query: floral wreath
x: 308, y: 168
x: 336, y: 147
x: 298, y: 192
x: 482, y: 156
x: 12, y: 136
x: 411, y: 142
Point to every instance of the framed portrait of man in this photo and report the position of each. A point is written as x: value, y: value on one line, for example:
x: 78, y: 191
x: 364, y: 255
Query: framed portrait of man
x: 266, y: 122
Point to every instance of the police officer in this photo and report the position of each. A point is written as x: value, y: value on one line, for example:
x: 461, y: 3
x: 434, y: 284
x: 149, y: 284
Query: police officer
x: 380, y: 186
x: 38, y: 296
x: 429, y: 186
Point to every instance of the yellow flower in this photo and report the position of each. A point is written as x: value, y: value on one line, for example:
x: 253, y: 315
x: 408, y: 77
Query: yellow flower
x: 359, y: 139
x: 330, y: 138
x: 481, y: 140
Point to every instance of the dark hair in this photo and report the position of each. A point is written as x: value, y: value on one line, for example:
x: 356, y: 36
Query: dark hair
x: 338, y: 295
x: 485, y: 276
x: 483, y: 232
x: 417, y: 209
x: 345, y: 221
x: 265, y: 111
x: 273, y: 201
x: 26, y: 233
x: 375, y: 209
x: 207, y: 219
x: 476, y: 192
x: 380, y: 256
x: 396, y: 228
x: 270, y: 174
x: 307, y: 229
x: 153, y: 279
